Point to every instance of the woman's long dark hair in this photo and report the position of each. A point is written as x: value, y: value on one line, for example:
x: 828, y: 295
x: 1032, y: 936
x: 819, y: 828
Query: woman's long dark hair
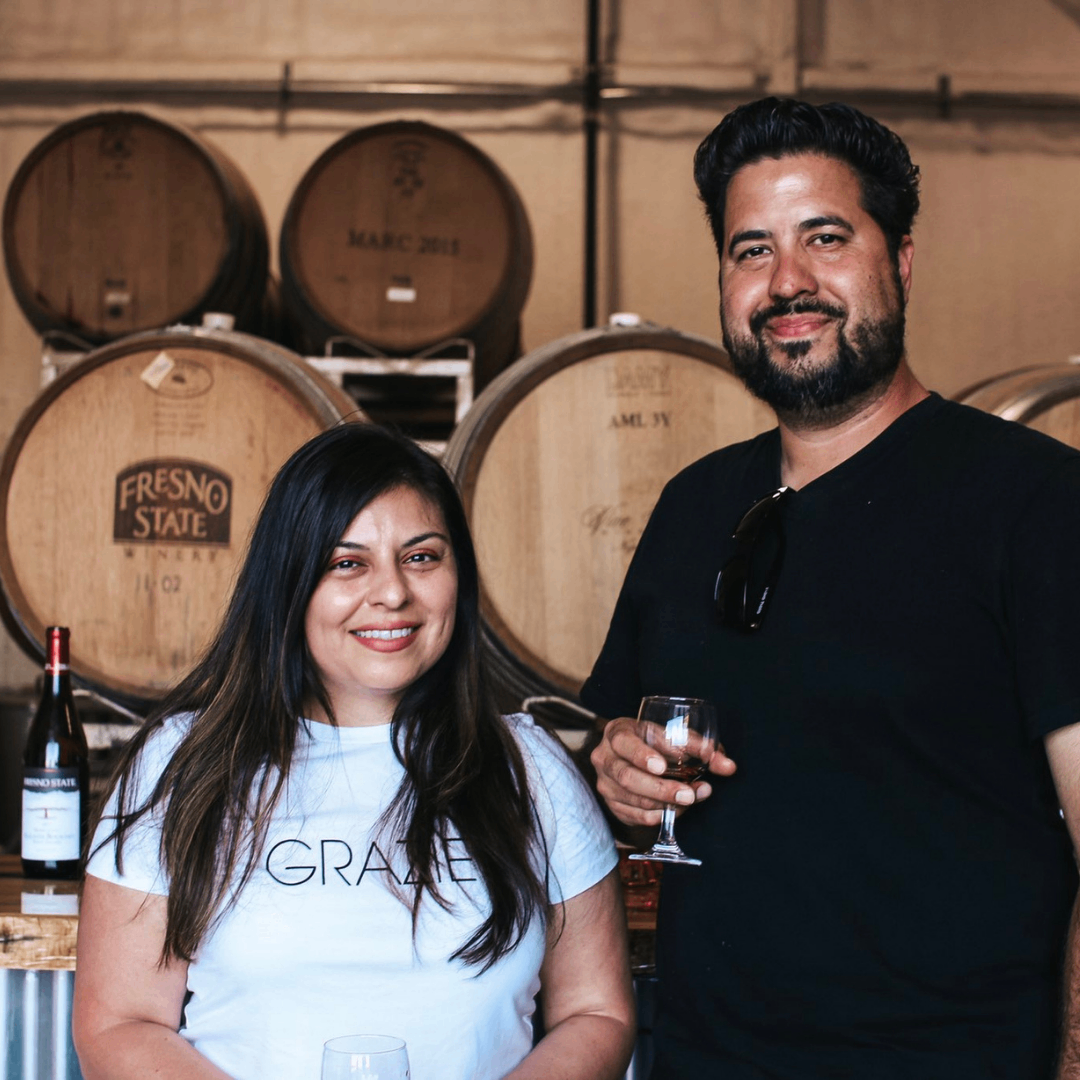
x: 463, y: 768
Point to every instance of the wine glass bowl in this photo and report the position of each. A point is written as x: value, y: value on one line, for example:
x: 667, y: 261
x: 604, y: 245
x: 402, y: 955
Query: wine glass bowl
x: 365, y: 1057
x: 685, y: 750
x: 684, y: 732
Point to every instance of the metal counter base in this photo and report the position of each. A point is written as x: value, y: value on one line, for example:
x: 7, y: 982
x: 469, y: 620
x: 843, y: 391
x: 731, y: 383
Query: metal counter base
x: 36, y: 1007
x: 38, y: 927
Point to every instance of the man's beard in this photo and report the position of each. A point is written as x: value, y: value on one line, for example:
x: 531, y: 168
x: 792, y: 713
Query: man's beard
x: 830, y: 389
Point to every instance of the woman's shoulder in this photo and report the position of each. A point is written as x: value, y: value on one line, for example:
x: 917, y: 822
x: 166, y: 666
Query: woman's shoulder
x: 536, y: 741
x: 133, y: 791
x: 160, y: 743
x: 576, y: 841
x: 169, y: 731
x: 546, y: 758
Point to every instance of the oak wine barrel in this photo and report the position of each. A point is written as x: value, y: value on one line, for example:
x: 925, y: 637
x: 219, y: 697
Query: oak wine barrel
x: 1045, y: 397
x: 118, y: 222
x: 560, y: 461
x: 128, y: 490
x: 403, y: 235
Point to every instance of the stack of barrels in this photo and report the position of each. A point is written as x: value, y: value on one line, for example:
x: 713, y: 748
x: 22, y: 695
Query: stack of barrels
x: 129, y: 486
x: 136, y: 475
x: 399, y: 237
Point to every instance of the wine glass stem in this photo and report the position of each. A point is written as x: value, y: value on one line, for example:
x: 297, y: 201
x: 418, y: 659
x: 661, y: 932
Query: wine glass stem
x: 666, y: 838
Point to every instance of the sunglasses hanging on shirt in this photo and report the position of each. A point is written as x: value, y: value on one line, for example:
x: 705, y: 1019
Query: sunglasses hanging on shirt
x: 746, y: 581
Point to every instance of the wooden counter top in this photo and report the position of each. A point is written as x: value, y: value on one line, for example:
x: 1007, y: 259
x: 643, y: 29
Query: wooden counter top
x: 637, y: 919
x: 38, y: 920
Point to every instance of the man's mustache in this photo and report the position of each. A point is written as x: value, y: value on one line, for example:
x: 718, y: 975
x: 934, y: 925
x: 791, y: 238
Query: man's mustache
x: 794, y: 307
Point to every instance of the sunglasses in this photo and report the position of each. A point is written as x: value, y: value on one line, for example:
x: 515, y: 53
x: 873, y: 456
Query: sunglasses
x: 747, y: 579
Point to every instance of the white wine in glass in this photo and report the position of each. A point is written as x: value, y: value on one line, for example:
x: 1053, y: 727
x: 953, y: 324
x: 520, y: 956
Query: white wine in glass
x: 684, y: 731
x: 370, y: 1057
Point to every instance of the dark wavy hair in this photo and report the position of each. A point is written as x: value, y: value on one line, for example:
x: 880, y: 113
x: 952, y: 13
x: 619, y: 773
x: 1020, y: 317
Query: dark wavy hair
x: 463, y: 768
x: 778, y: 127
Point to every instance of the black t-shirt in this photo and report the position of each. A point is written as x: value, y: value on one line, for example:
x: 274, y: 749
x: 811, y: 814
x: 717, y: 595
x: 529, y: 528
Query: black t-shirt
x: 887, y: 879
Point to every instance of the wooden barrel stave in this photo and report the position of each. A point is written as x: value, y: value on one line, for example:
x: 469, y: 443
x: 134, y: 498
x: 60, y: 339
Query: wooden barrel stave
x: 117, y: 223
x: 86, y: 536
x: 1046, y: 398
x: 560, y: 462
x: 403, y: 235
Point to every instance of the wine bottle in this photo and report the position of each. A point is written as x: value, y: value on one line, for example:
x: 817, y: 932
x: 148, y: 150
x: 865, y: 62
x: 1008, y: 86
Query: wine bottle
x: 56, y: 772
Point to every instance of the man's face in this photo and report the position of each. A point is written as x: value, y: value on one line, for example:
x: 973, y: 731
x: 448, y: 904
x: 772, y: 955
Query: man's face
x: 812, y: 305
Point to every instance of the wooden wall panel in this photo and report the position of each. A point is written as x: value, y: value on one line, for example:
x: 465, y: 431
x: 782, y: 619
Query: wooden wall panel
x: 997, y: 261
x: 1033, y: 45
x: 706, y: 44
x: 659, y: 256
x: 474, y: 39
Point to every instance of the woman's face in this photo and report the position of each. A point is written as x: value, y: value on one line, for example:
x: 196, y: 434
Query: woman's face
x: 383, y: 612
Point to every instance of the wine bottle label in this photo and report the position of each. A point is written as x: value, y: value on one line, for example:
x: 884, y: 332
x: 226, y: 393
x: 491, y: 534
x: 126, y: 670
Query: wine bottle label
x: 50, y: 903
x: 51, y: 819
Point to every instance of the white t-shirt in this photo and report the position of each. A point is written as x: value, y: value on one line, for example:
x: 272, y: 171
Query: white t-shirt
x: 317, y: 946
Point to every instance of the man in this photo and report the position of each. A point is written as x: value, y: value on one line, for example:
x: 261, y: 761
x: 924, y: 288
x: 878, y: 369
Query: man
x: 891, y: 643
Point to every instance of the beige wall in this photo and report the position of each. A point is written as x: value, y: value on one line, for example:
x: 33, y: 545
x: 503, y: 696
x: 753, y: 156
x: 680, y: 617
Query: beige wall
x: 1000, y: 44
x: 998, y: 242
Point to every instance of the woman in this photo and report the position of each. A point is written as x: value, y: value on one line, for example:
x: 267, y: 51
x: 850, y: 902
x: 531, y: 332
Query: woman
x: 325, y: 830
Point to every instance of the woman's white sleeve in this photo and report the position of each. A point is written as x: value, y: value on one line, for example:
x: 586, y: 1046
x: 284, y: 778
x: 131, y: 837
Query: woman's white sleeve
x: 140, y: 864
x: 579, y: 848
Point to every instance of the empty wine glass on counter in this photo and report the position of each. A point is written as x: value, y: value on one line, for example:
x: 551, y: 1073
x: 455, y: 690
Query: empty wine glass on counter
x: 684, y: 731
x: 370, y: 1057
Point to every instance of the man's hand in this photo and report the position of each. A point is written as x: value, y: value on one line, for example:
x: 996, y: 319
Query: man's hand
x: 629, y: 776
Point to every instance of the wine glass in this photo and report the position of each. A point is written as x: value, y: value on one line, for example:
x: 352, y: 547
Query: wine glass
x: 684, y: 731
x: 365, y: 1057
